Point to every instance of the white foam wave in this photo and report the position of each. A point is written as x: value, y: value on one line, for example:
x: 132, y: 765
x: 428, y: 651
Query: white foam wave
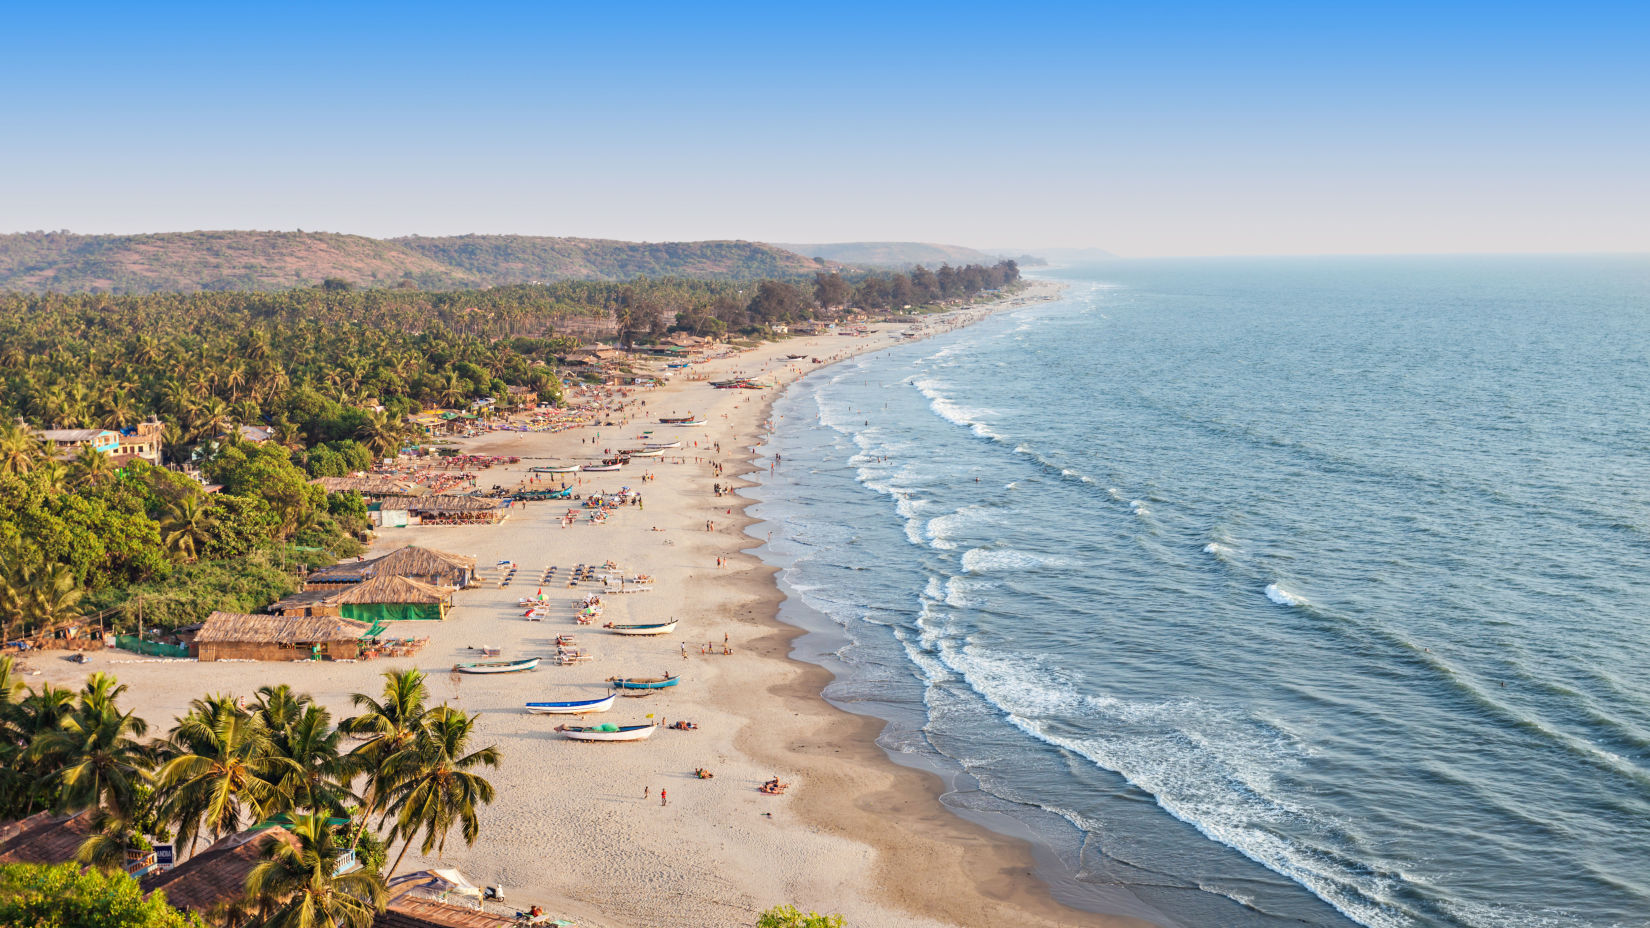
x: 1284, y: 596
x: 950, y: 411
x: 982, y: 560
x: 1220, y: 552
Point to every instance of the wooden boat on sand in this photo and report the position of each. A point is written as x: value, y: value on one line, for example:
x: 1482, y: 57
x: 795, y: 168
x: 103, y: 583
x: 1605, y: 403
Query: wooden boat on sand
x: 600, y: 467
x: 660, y: 628
x: 644, y: 683
x: 573, y: 707
x: 676, y: 420
x: 498, y: 666
x: 664, y: 445
x: 608, y: 732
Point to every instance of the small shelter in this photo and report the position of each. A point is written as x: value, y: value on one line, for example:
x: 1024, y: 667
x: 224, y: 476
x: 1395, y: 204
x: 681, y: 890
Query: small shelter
x: 370, y: 487
x: 394, y: 599
x: 237, y: 636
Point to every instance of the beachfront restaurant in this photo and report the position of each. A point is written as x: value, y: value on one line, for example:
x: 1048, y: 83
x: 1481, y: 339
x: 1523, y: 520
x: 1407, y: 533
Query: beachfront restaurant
x: 394, y: 599
x: 238, y: 636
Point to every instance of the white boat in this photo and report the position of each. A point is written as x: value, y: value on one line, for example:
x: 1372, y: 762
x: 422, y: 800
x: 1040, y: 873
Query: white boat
x: 690, y: 424
x: 649, y: 453
x: 574, y: 707
x: 559, y: 469
x: 608, y: 732
x: 601, y: 467
x: 663, y: 445
x: 663, y: 628
x: 498, y: 666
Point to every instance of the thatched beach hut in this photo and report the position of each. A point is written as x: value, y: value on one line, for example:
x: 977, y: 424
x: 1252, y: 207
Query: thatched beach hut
x: 442, y: 510
x: 237, y: 636
x: 394, y: 599
x: 438, y: 568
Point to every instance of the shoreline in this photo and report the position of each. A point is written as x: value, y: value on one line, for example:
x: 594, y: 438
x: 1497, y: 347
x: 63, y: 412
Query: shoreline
x: 580, y: 829
x: 1002, y: 878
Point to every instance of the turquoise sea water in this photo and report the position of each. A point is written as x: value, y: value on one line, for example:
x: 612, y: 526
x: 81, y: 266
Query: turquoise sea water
x: 1261, y: 592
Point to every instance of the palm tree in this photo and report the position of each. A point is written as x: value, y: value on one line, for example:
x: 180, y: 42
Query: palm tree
x: 118, y: 409
x: 219, y: 770
x: 92, y: 466
x: 380, y: 433
x: 433, y: 784
x: 51, y: 596
x: 94, y: 752
x: 40, y: 712
x: 305, y: 885
x: 20, y: 451
x: 186, y: 525
x: 51, y: 477
x: 316, y: 774
x: 396, y: 720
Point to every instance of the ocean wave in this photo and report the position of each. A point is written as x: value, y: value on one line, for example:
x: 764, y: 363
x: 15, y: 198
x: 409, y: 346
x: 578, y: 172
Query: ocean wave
x: 950, y: 411
x: 1209, y: 766
x: 1220, y: 552
x: 1284, y: 596
x: 983, y: 560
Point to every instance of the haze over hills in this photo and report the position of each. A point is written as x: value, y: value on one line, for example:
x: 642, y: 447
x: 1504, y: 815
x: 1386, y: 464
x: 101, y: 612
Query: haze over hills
x: 892, y: 254
x: 254, y: 260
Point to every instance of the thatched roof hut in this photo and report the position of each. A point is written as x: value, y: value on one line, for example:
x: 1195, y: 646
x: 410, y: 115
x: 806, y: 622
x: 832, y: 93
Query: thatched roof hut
x: 438, y: 568
x: 394, y: 599
x: 448, y: 509
x: 369, y: 486
x: 235, y: 635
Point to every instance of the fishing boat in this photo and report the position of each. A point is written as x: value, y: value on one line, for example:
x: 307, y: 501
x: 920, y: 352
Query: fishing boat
x: 796, y: 357
x: 497, y: 666
x: 649, y: 453
x: 558, y: 469
x: 599, y: 467
x: 643, y: 683
x: 663, y: 628
x: 608, y: 732
x: 692, y: 422
x: 676, y: 420
x: 664, y: 445
x: 574, y: 707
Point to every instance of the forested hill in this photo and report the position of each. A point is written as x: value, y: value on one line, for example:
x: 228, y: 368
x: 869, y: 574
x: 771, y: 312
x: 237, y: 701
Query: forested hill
x: 892, y: 254
x: 61, y: 262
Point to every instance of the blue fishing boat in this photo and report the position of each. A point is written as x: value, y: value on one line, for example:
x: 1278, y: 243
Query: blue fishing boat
x: 643, y: 683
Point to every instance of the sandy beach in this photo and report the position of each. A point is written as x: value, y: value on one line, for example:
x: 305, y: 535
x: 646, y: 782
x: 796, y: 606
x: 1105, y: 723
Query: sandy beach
x: 580, y: 828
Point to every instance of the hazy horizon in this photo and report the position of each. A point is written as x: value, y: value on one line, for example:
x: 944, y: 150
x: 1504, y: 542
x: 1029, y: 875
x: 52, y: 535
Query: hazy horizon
x: 1203, y: 131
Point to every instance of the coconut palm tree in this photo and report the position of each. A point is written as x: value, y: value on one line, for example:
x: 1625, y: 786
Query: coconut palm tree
x: 218, y: 770
x: 304, y: 885
x: 433, y: 784
x: 186, y: 525
x: 316, y: 773
x: 380, y: 433
x: 395, y: 720
x: 91, y: 467
x: 20, y: 451
x: 51, y: 596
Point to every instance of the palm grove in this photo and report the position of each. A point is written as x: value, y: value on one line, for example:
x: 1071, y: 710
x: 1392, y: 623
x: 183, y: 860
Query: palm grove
x: 332, y: 374
x: 411, y: 778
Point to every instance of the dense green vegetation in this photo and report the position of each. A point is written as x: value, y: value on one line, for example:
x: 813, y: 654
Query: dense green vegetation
x: 218, y: 261
x: 68, y: 896
x: 229, y: 764
x: 144, y: 542
x: 332, y: 374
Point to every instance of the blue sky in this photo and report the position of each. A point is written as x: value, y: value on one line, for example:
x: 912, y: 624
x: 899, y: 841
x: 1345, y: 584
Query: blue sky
x: 1160, y: 129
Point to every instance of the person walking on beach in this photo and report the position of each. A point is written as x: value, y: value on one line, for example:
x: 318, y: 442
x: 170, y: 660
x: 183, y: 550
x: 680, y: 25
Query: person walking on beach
x: 647, y: 791
x: 662, y: 800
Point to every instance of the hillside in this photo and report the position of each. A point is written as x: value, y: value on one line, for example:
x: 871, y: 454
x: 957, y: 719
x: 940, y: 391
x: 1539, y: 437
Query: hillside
x: 239, y: 260
x: 892, y: 254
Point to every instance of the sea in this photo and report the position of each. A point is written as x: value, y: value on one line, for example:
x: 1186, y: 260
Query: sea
x: 1256, y: 592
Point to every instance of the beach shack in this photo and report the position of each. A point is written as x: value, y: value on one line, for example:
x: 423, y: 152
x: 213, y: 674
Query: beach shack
x: 238, y: 636
x: 394, y: 599
x: 44, y: 838
x: 442, y: 510
x: 437, y: 568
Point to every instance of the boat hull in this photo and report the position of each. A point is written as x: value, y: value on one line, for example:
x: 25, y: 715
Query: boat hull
x: 573, y: 708
x: 664, y: 629
x: 498, y: 667
x: 623, y: 684
x: 599, y: 467
x: 625, y: 733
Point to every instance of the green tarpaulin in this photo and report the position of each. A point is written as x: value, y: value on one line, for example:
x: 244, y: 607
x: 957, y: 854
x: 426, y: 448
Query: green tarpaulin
x: 393, y: 612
